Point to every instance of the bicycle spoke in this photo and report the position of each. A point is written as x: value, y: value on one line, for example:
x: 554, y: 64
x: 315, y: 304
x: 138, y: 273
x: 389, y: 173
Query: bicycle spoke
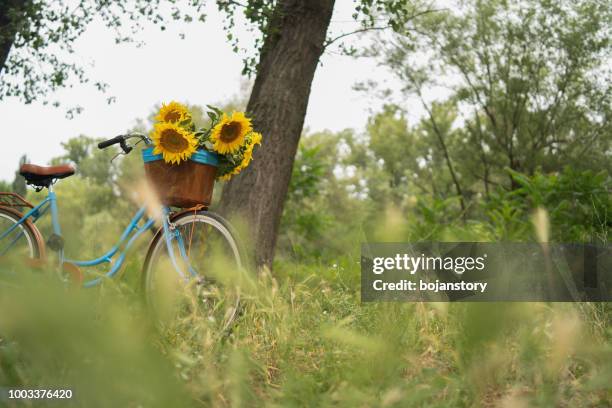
x: 12, y: 242
x: 190, y: 238
x: 18, y: 243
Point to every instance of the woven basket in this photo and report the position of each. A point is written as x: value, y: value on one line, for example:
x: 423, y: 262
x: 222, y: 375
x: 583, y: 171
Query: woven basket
x: 184, y: 185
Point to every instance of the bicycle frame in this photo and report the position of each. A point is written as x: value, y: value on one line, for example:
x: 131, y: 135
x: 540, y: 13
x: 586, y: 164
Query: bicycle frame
x: 129, y: 235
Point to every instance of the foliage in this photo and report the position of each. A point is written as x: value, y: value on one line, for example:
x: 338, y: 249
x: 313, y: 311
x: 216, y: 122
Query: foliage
x: 342, y: 193
x: 320, y: 218
x: 35, y: 30
x: 528, y: 81
x: 94, y: 167
x: 258, y: 14
x: 394, y: 146
x: 302, y: 219
x: 263, y: 17
x: 578, y: 203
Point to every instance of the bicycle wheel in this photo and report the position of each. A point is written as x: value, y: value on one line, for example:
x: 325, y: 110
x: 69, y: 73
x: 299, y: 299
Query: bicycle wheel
x: 208, y: 292
x: 24, y: 243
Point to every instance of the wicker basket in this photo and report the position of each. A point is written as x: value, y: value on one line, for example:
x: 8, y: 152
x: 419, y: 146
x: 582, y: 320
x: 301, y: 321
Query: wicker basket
x: 184, y: 185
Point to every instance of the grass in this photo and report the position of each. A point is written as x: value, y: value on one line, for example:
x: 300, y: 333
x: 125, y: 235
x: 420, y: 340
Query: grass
x: 303, y: 339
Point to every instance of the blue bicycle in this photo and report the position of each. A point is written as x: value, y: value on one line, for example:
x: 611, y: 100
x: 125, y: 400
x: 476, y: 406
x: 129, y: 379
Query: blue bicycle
x: 190, y: 250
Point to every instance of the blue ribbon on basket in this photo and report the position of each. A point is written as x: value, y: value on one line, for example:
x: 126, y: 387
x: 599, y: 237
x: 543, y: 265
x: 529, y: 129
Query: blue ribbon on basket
x: 200, y: 156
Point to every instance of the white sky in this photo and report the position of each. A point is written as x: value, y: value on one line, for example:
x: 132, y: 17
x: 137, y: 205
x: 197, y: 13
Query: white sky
x: 200, y: 69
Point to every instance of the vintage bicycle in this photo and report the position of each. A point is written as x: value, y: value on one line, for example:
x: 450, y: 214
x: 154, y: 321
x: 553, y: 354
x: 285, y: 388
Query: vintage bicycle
x: 184, y: 243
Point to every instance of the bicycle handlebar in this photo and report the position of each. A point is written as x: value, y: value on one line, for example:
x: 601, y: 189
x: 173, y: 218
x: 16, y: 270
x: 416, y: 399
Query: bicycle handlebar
x: 122, y: 139
x: 110, y: 142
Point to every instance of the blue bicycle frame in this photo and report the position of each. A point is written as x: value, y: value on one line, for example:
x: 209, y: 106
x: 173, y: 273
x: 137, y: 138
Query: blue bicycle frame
x: 130, y: 234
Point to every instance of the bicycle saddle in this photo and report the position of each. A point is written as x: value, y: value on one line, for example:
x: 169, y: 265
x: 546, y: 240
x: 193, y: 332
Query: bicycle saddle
x: 43, y: 176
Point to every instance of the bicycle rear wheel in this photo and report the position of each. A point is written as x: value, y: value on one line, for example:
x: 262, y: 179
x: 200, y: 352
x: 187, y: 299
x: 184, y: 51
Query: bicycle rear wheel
x: 21, y: 247
x: 211, y: 259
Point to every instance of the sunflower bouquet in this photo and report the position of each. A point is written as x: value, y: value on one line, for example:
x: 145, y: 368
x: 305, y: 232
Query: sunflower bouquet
x: 229, y: 136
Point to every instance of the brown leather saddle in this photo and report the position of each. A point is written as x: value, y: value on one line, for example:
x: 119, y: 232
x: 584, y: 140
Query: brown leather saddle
x: 44, y: 176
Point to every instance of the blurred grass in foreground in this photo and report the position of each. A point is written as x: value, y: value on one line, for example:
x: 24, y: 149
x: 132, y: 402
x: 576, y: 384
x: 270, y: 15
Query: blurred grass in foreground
x: 94, y: 343
x: 303, y: 339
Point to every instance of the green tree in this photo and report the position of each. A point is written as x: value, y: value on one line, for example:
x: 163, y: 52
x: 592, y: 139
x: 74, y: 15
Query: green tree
x: 324, y: 211
x: 94, y: 166
x: 19, y: 183
x: 529, y: 79
x: 393, y: 144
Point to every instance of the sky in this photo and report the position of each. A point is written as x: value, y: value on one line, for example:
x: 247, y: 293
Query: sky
x: 200, y: 69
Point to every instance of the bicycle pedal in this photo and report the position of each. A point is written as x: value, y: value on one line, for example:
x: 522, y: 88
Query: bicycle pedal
x: 73, y: 273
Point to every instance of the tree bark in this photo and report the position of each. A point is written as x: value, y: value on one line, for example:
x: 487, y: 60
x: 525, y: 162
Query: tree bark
x: 8, y: 10
x: 278, y: 102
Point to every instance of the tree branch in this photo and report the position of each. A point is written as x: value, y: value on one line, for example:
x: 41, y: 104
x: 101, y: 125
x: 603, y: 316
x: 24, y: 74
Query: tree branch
x: 226, y: 3
x: 443, y: 146
x: 361, y: 30
x: 365, y: 29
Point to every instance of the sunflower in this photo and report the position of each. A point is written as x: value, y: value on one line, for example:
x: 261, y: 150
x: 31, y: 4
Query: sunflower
x: 229, y: 134
x: 255, y: 139
x: 173, y: 142
x: 247, y: 155
x: 172, y: 113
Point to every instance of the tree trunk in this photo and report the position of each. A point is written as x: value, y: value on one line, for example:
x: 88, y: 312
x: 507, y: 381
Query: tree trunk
x: 278, y: 103
x: 8, y: 10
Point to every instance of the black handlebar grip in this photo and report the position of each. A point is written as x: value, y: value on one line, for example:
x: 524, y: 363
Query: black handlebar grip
x: 110, y: 142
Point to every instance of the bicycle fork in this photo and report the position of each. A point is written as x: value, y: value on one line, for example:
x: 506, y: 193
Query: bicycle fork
x: 172, y: 232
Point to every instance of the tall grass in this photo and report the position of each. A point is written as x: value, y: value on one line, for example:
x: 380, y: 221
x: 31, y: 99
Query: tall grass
x: 303, y: 339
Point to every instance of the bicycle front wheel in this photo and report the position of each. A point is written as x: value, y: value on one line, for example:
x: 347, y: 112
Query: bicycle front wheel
x: 206, y: 251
